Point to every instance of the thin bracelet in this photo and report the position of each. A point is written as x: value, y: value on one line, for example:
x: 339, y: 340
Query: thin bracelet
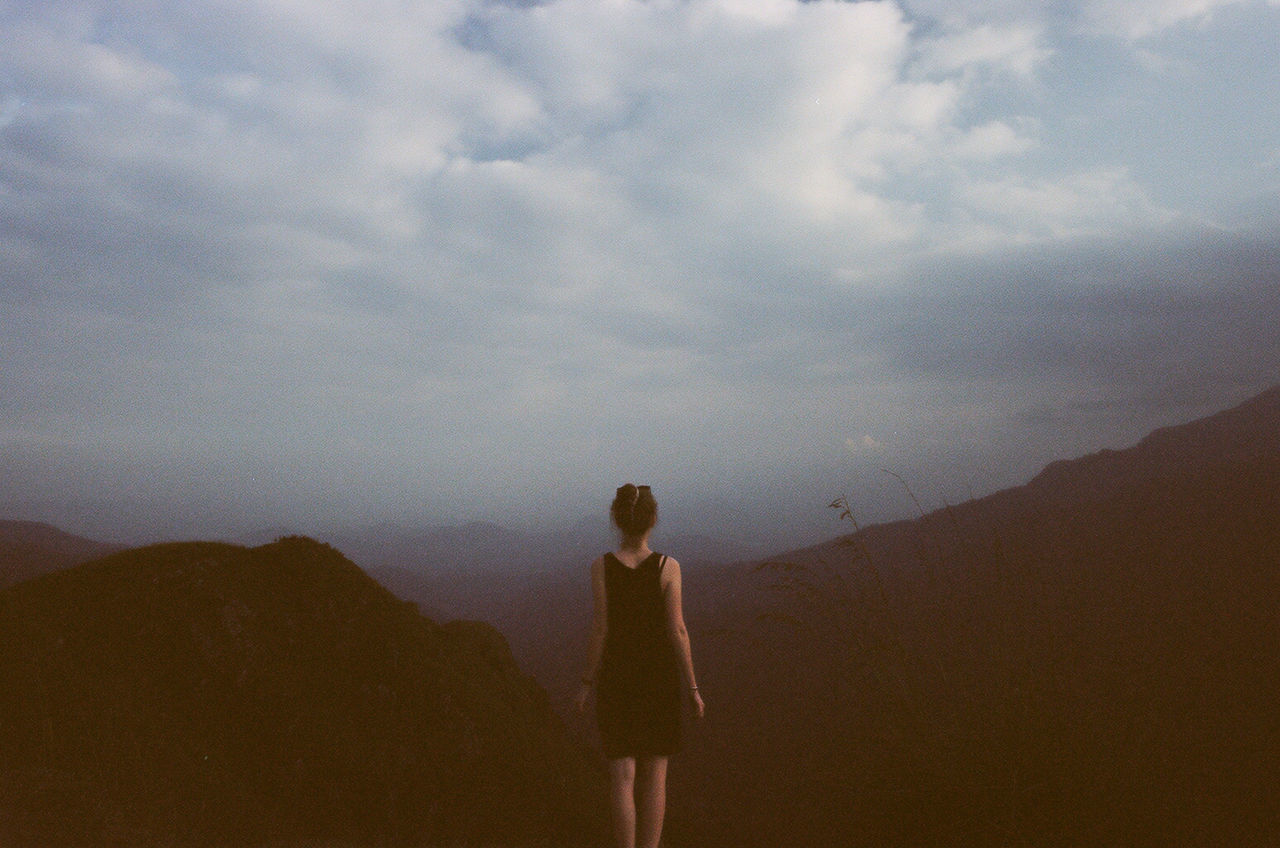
x: 693, y: 688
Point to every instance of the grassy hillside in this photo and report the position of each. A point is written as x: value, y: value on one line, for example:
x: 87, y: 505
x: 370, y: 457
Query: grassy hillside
x: 212, y: 694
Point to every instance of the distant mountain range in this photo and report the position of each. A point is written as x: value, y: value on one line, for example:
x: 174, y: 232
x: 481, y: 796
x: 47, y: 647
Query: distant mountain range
x: 482, y: 546
x: 29, y: 548
x: 210, y: 694
x: 1092, y: 658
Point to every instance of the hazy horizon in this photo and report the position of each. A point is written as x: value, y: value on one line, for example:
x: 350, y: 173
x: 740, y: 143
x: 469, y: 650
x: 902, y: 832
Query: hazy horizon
x: 335, y: 264
x: 753, y: 524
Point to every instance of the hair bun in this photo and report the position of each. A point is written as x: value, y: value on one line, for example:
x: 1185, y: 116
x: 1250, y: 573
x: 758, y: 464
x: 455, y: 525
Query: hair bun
x: 634, y: 510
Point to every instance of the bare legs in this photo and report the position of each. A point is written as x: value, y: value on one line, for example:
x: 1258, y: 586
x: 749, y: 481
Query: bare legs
x: 651, y: 800
x: 622, y: 802
x: 638, y: 798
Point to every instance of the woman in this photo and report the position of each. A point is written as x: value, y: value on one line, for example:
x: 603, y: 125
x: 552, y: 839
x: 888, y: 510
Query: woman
x: 636, y: 656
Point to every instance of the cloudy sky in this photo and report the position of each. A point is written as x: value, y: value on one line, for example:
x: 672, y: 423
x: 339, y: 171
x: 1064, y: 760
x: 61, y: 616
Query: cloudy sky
x: 271, y: 262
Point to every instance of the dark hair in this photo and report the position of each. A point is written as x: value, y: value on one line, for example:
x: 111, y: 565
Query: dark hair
x: 634, y: 510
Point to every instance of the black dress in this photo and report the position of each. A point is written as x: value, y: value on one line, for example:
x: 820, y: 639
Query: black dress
x: 638, y: 687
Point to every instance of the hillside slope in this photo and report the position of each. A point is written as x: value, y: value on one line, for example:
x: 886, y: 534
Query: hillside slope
x: 205, y: 693
x: 30, y: 548
x: 1090, y: 658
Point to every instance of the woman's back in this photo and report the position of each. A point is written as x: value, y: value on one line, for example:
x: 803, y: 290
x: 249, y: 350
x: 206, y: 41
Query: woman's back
x: 635, y: 608
x: 638, y: 695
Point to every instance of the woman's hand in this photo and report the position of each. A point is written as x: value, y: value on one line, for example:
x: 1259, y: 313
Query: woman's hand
x: 699, y: 708
x: 583, y: 697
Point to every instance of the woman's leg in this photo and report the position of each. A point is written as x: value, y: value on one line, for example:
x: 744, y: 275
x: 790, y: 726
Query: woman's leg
x: 622, y: 800
x: 651, y: 800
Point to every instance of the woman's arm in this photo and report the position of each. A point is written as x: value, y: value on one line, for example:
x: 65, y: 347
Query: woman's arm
x: 676, y: 629
x: 599, y: 627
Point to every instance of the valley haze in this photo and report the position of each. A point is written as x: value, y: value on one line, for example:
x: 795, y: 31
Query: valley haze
x: 722, y: 527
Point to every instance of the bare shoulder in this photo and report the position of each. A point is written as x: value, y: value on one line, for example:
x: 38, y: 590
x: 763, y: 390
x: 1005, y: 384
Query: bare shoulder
x: 597, y: 565
x: 670, y: 571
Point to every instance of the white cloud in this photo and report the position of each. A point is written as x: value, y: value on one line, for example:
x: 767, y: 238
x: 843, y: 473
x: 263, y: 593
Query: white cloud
x: 465, y: 222
x: 1078, y: 205
x: 59, y: 63
x: 992, y: 140
x: 713, y: 97
x: 1137, y: 19
x: 1128, y: 20
x: 622, y: 139
x: 300, y: 137
x: 864, y: 445
x: 971, y: 13
x: 1017, y: 49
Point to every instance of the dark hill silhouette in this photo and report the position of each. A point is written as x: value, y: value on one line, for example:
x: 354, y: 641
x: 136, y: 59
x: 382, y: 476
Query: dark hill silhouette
x: 30, y: 548
x: 1087, y: 659
x: 205, y: 693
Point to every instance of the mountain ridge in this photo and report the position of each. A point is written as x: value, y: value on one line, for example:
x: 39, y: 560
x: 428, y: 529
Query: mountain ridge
x: 1231, y: 438
x: 207, y: 693
x: 1077, y: 660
